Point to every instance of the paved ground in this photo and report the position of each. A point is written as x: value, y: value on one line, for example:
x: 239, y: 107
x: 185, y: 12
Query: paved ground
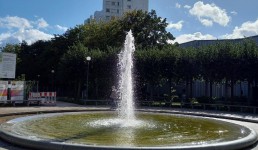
x: 62, y: 106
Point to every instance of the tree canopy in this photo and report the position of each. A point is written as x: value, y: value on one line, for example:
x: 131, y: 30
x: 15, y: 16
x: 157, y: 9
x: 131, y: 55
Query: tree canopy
x: 156, y: 60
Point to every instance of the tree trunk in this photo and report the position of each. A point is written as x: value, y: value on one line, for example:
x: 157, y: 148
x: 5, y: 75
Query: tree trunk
x: 78, y: 89
x: 75, y: 89
x: 250, y: 92
x: 187, y: 89
x: 151, y: 91
x: 96, y: 88
x: 170, y: 89
x: 206, y: 88
x: 191, y: 88
x: 232, y: 91
x: 211, y: 88
x: 226, y: 90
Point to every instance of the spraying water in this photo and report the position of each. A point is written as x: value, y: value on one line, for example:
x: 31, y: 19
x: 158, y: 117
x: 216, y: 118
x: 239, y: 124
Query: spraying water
x: 126, y: 116
x: 126, y: 93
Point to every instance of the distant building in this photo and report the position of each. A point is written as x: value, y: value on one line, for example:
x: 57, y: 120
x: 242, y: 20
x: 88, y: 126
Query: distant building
x: 117, y: 8
x: 199, y: 43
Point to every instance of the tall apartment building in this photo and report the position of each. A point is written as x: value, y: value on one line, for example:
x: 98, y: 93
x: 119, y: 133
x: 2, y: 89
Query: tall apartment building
x: 116, y: 8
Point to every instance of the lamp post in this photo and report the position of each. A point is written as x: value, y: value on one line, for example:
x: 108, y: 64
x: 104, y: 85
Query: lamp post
x: 52, y: 71
x: 38, y: 83
x: 88, y: 58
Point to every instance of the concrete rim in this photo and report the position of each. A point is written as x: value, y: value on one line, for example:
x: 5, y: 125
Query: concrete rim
x: 42, y: 144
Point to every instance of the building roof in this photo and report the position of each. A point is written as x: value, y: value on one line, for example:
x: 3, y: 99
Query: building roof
x: 199, y: 43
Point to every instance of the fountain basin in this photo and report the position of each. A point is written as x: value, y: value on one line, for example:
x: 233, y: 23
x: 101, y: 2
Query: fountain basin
x: 102, y: 130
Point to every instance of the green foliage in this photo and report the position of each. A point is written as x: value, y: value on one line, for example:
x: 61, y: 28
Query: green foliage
x: 156, y: 61
x: 15, y: 48
x: 73, y: 61
x: 193, y: 101
x: 149, y: 29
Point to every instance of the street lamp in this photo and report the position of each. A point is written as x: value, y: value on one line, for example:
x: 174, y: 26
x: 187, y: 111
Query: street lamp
x: 38, y: 83
x: 52, y: 71
x: 88, y: 58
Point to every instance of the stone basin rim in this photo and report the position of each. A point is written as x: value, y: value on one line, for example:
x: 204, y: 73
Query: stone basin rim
x: 43, y: 144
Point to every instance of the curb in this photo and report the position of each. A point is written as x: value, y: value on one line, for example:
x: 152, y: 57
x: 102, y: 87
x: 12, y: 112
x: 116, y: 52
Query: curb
x: 55, y: 145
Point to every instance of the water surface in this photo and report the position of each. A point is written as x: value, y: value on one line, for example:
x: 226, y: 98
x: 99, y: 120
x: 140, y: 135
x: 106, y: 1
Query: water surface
x: 149, y: 129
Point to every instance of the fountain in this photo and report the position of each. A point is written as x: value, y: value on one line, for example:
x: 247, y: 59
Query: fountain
x: 125, y: 128
x: 126, y: 105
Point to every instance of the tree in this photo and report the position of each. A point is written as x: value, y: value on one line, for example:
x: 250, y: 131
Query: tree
x: 187, y: 67
x: 71, y: 66
x: 148, y: 68
x: 148, y: 29
x: 169, y: 60
x: 249, y: 63
x: 103, y: 71
x: 102, y: 35
x: 209, y: 65
x: 11, y: 48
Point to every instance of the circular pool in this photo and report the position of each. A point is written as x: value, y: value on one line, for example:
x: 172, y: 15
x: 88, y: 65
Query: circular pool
x: 103, y: 130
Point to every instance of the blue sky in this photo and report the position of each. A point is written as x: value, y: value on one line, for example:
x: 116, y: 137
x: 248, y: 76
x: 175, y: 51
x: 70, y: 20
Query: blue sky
x: 33, y: 20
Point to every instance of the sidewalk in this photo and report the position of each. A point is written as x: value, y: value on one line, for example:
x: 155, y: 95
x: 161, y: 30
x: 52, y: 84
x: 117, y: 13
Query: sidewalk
x: 60, y: 106
x: 69, y: 107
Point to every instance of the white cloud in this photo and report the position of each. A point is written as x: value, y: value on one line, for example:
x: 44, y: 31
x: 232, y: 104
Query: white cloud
x: 19, y: 29
x: 178, y: 5
x: 3, y: 37
x: 245, y: 30
x: 187, y: 6
x: 29, y: 35
x: 32, y: 35
x: 191, y: 37
x: 61, y: 28
x: 177, y: 26
x: 15, y: 22
x: 207, y: 13
x: 41, y: 23
x: 206, y: 22
x: 233, y: 12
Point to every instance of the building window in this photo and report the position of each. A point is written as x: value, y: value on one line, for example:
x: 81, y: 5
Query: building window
x: 117, y: 11
x: 117, y: 3
x: 113, y: 11
x: 128, y: 0
x: 129, y: 6
x: 107, y: 10
x: 113, y: 3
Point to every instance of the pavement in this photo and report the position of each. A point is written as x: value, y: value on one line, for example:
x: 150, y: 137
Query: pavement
x: 249, y: 120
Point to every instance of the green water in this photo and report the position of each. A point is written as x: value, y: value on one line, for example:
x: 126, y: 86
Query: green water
x: 155, y: 130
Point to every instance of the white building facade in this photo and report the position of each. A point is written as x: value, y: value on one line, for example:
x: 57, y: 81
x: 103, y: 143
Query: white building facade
x: 117, y: 8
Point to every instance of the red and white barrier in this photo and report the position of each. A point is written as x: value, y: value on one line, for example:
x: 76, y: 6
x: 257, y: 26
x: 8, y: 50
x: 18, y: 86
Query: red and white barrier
x: 34, y: 95
x: 43, y: 97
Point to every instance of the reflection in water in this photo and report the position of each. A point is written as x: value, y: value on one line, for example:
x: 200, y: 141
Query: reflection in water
x: 105, y: 129
x: 123, y: 132
x: 125, y: 137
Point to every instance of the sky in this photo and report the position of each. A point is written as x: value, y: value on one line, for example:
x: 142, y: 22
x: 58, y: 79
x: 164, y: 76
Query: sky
x: 188, y: 20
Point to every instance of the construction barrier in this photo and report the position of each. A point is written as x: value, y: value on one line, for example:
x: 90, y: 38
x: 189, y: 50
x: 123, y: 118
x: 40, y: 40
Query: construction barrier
x: 43, y: 97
